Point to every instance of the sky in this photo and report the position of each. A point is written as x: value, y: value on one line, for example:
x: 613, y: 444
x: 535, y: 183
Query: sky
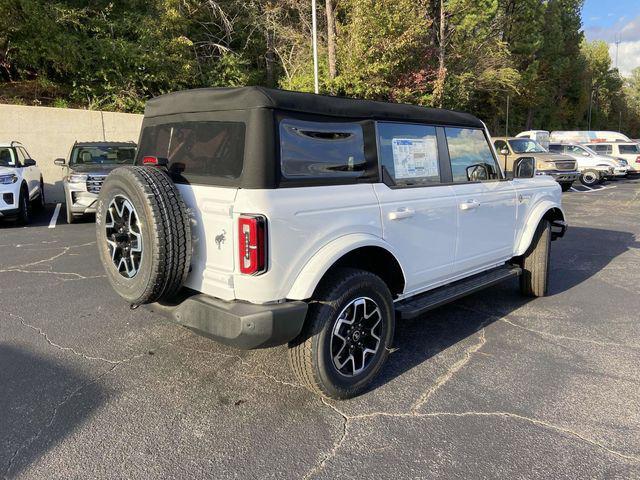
x: 612, y: 20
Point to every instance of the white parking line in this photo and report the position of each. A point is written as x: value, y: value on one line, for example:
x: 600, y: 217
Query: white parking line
x: 54, y: 218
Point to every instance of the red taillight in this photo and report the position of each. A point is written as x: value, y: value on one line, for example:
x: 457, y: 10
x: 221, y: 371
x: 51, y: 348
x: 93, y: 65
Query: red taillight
x: 155, y: 161
x: 638, y: 159
x: 252, y: 244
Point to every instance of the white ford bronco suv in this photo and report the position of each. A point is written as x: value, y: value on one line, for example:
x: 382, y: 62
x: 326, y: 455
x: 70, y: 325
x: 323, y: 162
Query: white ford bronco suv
x: 259, y: 217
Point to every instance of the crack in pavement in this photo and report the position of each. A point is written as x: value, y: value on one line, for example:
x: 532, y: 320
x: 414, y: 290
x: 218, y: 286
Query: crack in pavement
x: 263, y: 373
x: 347, y: 419
x: 22, y: 267
x: 552, y: 335
x: 113, y: 365
x: 71, y: 349
x: 451, y: 371
x: 27, y: 443
x: 573, y: 339
x: 320, y: 464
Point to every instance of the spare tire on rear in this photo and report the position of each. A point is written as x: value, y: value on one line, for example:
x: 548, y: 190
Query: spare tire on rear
x: 143, y: 234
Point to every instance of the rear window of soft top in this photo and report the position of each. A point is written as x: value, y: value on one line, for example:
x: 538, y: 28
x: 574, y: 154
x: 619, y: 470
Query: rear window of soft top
x: 208, y: 152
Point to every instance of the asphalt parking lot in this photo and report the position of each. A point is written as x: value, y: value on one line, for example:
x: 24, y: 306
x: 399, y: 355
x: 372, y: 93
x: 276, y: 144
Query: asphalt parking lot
x: 493, y: 386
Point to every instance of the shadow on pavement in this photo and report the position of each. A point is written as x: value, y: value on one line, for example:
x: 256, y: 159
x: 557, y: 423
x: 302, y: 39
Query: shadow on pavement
x: 586, y: 250
x: 41, y: 402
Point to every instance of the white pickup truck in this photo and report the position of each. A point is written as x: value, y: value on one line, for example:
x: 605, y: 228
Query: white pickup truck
x: 259, y: 217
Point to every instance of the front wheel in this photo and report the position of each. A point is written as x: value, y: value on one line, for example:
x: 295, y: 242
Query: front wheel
x: 24, y: 215
x: 347, y: 334
x: 534, y: 281
x: 589, y: 178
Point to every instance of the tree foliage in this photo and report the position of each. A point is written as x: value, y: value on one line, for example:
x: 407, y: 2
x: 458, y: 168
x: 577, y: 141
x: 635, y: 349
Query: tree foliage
x: 461, y: 54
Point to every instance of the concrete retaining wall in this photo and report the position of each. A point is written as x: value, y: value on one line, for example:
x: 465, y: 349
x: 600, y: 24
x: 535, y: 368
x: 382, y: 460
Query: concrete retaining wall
x: 48, y: 133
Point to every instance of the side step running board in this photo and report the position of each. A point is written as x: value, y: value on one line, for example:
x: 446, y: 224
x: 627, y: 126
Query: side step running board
x: 415, y: 306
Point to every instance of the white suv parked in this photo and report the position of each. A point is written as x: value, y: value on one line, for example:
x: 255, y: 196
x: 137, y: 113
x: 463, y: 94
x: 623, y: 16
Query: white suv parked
x: 594, y: 168
x: 258, y: 217
x: 21, y: 184
x: 628, y: 152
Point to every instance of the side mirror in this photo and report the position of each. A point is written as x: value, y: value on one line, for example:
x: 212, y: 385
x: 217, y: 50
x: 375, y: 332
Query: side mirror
x: 524, y: 167
x: 504, y: 151
x: 60, y: 161
x: 477, y: 172
x: 29, y: 162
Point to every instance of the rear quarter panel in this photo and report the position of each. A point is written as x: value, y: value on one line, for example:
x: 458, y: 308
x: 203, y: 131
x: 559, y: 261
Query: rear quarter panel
x: 301, y: 221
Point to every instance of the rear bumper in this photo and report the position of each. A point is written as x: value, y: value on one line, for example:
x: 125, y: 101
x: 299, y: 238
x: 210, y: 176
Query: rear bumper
x: 238, y: 324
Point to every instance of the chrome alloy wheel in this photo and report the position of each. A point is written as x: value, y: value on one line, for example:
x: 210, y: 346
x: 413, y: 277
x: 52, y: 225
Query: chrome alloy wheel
x: 590, y: 177
x: 124, y: 236
x: 355, y: 338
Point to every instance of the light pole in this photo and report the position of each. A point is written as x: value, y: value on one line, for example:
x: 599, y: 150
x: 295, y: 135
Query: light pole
x: 314, y: 36
x: 593, y: 90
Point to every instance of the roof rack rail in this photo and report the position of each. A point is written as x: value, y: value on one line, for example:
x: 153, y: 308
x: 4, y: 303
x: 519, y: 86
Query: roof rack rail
x: 15, y: 142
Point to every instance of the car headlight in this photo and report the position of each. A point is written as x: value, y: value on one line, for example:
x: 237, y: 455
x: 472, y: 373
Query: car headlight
x: 8, y: 179
x: 77, y: 178
x: 543, y: 166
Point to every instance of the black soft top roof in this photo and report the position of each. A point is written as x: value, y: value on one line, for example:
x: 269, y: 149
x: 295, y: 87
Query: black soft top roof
x: 244, y: 98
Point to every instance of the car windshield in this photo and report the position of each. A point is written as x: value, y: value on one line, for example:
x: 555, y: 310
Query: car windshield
x: 103, y: 155
x: 526, y: 145
x: 7, y: 158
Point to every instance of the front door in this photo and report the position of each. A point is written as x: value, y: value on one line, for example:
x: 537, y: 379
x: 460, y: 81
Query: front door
x: 486, y: 202
x: 419, y: 214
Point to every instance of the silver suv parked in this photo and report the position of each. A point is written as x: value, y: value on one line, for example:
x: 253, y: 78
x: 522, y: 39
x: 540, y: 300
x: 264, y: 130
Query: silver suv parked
x: 88, y: 166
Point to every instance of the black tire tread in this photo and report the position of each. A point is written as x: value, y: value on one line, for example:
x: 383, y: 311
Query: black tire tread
x: 301, y: 355
x: 170, y: 231
x: 535, y: 263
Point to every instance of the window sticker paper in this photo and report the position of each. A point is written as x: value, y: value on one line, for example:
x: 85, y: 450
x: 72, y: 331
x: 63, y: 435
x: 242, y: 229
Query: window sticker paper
x: 415, y: 157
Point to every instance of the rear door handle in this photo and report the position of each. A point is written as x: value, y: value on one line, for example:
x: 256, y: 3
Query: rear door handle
x: 402, y: 213
x: 469, y: 205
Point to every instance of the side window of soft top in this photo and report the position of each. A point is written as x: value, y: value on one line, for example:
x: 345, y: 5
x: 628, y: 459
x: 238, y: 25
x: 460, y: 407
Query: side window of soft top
x: 311, y: 150
x: 408, y: 154
x: 471, y: 157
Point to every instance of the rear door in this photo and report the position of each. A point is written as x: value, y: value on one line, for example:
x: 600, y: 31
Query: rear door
x: 418, y: 211
x: 205, y: 160
x: 486, y: 203
x: 29, y: 173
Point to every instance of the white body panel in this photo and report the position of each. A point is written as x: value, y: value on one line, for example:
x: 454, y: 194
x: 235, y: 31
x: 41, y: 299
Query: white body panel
x: 429, y: 230
x: 420, y: 223
x: 300, y: 223
x: 486, y: 224
x: 212, y: 224
x: 28, y: 175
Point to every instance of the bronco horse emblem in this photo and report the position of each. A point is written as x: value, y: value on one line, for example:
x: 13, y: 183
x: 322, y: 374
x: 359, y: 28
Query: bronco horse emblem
x: 220, y: 239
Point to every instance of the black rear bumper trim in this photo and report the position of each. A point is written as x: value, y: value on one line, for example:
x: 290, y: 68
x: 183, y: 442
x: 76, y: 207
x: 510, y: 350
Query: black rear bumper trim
x: 238, y: 324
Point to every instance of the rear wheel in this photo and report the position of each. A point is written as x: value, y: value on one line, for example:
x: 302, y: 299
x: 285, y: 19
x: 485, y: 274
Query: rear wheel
x: 348, y: 331
x: 143, y: 234
x: 590, y: 177
x: 534, y: 281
